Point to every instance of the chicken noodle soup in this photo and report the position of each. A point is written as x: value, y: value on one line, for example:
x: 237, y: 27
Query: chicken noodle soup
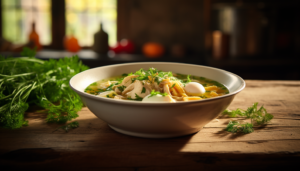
x: 153, y: 85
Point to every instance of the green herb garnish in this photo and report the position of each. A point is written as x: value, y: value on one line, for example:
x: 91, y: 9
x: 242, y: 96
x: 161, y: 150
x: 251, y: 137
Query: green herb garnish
x: 188, y: 79
x: 154, y: 73
x: 143, y: 90
x: 132, y: 80
x: 94, y: 84
x: 28, y: 52
x: 28, y: 81
x: 258, y: 117
x: 236, y: 127
x: 154, y: 93
x: 109, y: 88
x: 137, y: 98
x: 173, y: 85
x: 122, y: 88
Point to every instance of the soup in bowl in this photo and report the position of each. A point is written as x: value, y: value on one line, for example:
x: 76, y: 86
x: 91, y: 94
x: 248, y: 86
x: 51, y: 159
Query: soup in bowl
x: 157, y: 99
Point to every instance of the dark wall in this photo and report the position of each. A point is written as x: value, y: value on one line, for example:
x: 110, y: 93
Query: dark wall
x: 168, y: 22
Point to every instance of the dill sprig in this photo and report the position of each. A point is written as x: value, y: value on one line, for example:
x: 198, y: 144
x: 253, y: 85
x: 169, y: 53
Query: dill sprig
x: 258, y: 117
x: 28, y: 81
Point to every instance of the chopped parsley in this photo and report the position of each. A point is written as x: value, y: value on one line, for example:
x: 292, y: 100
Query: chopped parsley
x: 122, y: 88
x: 158, y: 80
x: 154, y: 93
x: 94, y: 84
x: 203, y: 97
x: 155, y: 75
x: 188, y: 79
x: 173, y: 85
x: 143, y: 90
x: 109, y: 88
x: 132, y: 80
x: 137, y: 98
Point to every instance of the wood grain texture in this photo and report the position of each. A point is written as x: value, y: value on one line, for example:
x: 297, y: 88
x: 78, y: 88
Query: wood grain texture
x: 95, y: 146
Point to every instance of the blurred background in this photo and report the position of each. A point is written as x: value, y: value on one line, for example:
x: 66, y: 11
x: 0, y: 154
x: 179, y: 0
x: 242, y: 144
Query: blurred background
x: 256, y: 39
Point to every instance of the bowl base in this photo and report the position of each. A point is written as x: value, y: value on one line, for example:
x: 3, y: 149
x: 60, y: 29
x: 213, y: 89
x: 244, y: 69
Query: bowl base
x: 150, y: 135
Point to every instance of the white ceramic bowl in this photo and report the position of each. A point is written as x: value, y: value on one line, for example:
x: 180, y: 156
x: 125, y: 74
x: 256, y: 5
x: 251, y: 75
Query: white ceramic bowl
x: 156, y: 120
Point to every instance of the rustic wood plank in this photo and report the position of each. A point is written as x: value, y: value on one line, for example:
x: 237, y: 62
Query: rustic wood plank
x: 96, y: 146
x: 279, y: 97
x: 97, y: 139
x: 145, y: 159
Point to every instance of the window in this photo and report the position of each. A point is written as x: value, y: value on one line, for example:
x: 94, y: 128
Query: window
x: 17, y: 18
x: 83, y: 18
x: 57, y: 18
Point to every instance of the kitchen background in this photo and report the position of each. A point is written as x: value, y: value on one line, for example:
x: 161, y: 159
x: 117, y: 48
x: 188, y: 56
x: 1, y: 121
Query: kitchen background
x: 256, y: 39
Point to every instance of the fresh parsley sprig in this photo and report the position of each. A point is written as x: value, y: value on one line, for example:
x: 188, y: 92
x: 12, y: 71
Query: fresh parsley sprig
x: 237, y: 127
x: 258, y: 117
x: 28, y: 81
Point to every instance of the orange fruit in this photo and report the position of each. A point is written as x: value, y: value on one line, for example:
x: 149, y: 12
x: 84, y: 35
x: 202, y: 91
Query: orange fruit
x: 153, y: 49
x: 71, y: 44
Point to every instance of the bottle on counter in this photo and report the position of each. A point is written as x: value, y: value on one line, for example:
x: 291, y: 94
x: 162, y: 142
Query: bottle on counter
x: 34, y: 37
x: 101, y: 41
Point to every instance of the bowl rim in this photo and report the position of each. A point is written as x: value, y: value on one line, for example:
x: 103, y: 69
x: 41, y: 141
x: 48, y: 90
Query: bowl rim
x: 133, y: 102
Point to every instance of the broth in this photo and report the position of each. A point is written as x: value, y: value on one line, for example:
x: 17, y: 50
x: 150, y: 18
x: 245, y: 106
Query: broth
x: 164, y: 86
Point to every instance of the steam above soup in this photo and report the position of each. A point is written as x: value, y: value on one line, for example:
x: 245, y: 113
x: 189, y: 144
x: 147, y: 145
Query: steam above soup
x: 155, y: 86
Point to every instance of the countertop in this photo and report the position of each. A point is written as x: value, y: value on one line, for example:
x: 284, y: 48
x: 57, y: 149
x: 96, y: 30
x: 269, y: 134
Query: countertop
x: 95, y: 146
x: 262, y: 67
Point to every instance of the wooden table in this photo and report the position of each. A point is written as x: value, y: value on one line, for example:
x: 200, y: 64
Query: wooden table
x: 95, y: 146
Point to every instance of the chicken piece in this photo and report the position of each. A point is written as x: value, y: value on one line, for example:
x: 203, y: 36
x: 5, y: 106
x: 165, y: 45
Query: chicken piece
x: 138, y: 91
x: 117, y: 90
x: 147, y: 85
x: 128, y: 89
x: 125, y: 83
x: 155, y: 86
x: 127, y: 80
